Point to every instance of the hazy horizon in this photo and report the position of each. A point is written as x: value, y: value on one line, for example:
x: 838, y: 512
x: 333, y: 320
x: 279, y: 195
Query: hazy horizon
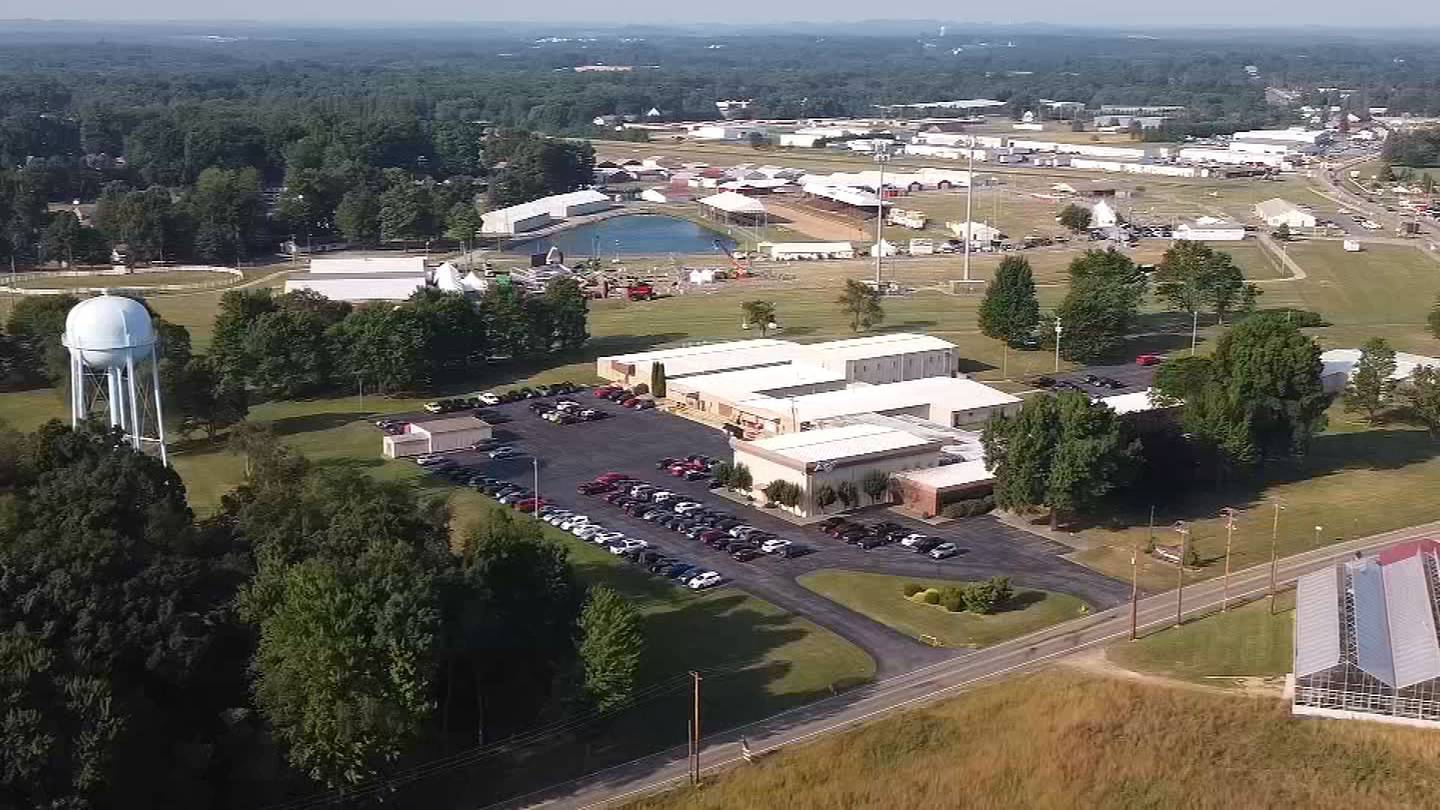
x: 1111, y: 14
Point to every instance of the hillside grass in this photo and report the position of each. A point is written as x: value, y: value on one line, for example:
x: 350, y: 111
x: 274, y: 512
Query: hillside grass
x: 1059, y: 740
x: 1247, y: 641
x: 880, y: 597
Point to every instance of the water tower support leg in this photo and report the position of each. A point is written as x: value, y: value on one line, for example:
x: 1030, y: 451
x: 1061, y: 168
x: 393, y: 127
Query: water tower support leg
x: 133, y: 401
x: 117, y: 408
x: 159, y: 415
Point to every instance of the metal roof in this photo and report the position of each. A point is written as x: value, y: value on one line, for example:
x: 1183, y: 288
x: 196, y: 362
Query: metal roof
x: 879, y: 345
x: 840, y: 443
x: 367, y: 264
x: 1414, y: 651
x: 1372, y: 626
x: 733, y: 203
x: 952, y: 393
x: 450, y: 425
x: 749, y: 383
x: 1317, y: 621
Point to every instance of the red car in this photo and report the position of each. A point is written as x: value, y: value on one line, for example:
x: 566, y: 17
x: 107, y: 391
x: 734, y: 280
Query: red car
x: 1149, y: 360
x: 604, y: 391
x: 529, y: 504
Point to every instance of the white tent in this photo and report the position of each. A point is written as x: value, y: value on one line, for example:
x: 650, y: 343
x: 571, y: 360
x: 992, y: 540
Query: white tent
x: 733, y: 203
x: 883, y: 248
x: 474, y: 283
x: 447, y: 278
x: 1103, y: 215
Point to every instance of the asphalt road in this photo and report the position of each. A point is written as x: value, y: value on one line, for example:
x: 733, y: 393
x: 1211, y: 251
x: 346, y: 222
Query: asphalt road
x: 633, y: 441
x: 919, y: 687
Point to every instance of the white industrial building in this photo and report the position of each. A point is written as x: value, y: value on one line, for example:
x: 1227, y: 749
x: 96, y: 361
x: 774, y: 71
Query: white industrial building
x: 978, y: 233
x: 885, y: 358
x: 435, y: 436
x: 352, y: 265
x: 629, y: 369
x: 1338, y: 365
x: 1136, y: 167
x: 369, y: 286
x: 1276, y: 212
x: 1298, y: 138
x: 831, y: 456
x: 1233, y: 157
x: 793, y: 251
x: 1209, y: 229
x: 949, y: 401
x: 528, y: 216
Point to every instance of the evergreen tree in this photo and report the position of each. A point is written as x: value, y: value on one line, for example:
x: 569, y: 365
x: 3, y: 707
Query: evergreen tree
x: 1370, y: 388
x: 610, y: 647
x: 1010, y: 311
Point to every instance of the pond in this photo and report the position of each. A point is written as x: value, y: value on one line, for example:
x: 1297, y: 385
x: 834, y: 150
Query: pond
x: 630, y: 235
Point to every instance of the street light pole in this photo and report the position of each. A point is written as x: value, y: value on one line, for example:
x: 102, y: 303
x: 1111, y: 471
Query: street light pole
x: 535, y: 465
x: 969, y: 199
x: 1194, y: 330
x: 1274, y: 537
x: 882, y: 156
x: 1058, y: 330
x: 1134, y: 592
x: 1229, y: 537
x: 1184, y: 531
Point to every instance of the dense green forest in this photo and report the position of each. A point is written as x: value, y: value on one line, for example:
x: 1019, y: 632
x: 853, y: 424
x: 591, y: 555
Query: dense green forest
x: 186, y: 135
x: 1417, y: 149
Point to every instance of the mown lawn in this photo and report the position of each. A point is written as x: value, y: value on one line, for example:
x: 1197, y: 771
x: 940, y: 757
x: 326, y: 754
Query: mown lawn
x: 1246, y: 641
x: 881, y: 598
x: 1059, y: 740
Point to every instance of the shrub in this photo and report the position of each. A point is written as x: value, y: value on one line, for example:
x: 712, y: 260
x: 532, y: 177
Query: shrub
x: 1004, y: 591
x: 952, y: 598
x: 912, y: 588
x: 968, y: 507
x: 931, y: 597
x: 1301, y: 318
x: 980, y: 598
x: 641, y: 389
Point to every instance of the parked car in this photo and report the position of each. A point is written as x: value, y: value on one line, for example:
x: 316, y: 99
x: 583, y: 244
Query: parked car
x: 430, y: 460
x: 489, y: 398
x: 745, y: 554
x: 944, y: 550
x: 774, y: 545
x: 925, y: 546
x: 708, y: 579
x: 1148, y: 360
x: 606, y: 538
x: 628, y: 544
x: 504, y: 452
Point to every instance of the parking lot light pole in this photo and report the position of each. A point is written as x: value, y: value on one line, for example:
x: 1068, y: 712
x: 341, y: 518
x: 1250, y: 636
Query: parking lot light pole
x: 535, y: 464
x: 1194, y: 329
x: 882, y: 156
x: 1058, y: 330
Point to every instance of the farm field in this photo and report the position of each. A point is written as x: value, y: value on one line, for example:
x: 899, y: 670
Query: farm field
x: 879, y: 596
x: 1062, y: 740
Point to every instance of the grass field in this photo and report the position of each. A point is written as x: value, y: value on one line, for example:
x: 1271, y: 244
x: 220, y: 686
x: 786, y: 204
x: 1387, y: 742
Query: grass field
x: 879, y: 597
x: 1246, y: 641
x: 132, y: 281
x: 1060, y: 740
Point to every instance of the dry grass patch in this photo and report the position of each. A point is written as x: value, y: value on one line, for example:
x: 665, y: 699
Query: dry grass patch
x: 1062, y: 740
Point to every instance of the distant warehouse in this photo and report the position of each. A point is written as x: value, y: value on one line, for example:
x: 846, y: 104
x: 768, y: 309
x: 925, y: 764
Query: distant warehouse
x: 364, y: 278
x: 544, y: 211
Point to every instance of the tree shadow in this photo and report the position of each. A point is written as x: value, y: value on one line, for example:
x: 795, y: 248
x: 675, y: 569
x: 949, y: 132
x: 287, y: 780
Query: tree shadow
x: 967, y: 365
x: 1377, y: 450
x: 1020, y: 601
x: 797, y: 331
x: 289, y: 425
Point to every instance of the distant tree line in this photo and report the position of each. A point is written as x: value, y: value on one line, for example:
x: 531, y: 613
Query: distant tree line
x: 1417, y: 148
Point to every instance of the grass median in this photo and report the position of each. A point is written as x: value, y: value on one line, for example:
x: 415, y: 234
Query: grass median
x: 881, y: 597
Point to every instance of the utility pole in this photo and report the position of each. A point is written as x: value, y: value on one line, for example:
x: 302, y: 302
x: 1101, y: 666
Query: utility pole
x: 1184, y: 531
x: 1134, y: 592
x: 1194, y: 329
x: 695, y: 733
x: 535, y: 464
x: 1229, y: 536
x: 1274, y: 536
x: 882, y: 156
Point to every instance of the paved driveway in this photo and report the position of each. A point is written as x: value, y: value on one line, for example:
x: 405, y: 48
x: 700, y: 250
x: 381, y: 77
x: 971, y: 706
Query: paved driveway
x: 631, y: 442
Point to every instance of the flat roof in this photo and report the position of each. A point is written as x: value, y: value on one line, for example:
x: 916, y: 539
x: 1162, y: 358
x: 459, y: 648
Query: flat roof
x: 737, y: 354
x: 747, y: 383
x: 1133, y: 402
x: 1343, y: 361
x: 959, y: 474
x: 367, y: 264
x: 450, y: 425
x: 733, y: 203
x: 954, y: 393
x: 879, y: 345
x: 839, y: 443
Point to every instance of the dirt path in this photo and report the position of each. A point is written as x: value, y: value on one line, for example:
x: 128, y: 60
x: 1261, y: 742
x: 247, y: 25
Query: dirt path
x: 1096, y: 662
x: 815, y: 226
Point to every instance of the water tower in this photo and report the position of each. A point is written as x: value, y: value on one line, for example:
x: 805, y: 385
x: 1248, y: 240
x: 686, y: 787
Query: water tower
x: 114, y: 368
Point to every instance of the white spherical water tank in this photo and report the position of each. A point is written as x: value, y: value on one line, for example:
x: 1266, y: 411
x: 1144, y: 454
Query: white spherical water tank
x: 108, y: 330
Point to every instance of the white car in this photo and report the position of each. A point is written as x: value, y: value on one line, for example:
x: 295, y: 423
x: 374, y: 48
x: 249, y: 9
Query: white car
x: 707, y: 579
x: 628, y: 544
x: 606, y: 538
x: 489, y: 398
x: 567, y: 405
x: 741, y: 529
x: 588, y: 531
x: 573, y: 521
x: 911, y: 539
x: 504, y: 452
x: 554, y: 518
x: 686, y: 507
x: 429, y: 460
x: 662, y: 496
x: 774, y: 546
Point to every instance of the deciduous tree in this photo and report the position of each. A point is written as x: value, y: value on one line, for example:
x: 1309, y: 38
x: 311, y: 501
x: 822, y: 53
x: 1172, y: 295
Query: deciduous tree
x: 1370, y: 388
x: 861, y: 304
x: 1010, y: 310
x: 610, y: 647
x: 758, y: 313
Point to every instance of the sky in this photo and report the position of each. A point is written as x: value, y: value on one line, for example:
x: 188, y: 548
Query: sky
x: 1110, y: 13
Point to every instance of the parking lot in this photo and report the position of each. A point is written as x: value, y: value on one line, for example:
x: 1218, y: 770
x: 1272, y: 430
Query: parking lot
x: 631, y: 442
x: 1131, y: 377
